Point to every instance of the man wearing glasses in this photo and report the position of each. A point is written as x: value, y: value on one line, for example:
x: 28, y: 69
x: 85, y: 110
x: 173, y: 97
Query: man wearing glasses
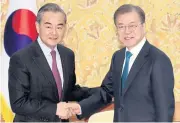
x: 140, y: 78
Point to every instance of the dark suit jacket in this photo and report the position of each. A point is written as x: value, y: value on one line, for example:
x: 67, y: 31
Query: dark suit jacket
x: 32, y: 87
x: 148, y: 93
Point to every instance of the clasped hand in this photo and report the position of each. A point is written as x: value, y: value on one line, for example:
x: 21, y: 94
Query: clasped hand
x: 66, y: 110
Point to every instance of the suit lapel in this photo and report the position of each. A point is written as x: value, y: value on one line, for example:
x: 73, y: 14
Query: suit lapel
x: 138, y: 63
x: 43, y: 66
x: 63, y: 61
x: 120, y: 61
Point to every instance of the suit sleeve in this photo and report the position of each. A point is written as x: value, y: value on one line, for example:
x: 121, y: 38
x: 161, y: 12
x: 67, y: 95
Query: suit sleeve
x: 78, y: 93
x: 19, y: 93
x: 100, y: 97
x: 163, y: 84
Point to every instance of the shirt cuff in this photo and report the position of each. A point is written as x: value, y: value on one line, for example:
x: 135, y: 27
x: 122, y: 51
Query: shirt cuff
x: 80, y: 111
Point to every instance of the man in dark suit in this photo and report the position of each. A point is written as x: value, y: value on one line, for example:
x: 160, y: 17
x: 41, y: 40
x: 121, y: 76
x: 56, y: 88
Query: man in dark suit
x: 42, y: 75
x: 140, y: 78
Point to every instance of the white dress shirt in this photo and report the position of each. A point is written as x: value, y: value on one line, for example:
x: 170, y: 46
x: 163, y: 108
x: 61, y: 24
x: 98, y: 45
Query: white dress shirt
x: 47, y: 53
x: 135, y: 51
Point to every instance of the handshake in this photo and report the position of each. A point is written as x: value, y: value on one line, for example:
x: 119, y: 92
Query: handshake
x: 66, y: 110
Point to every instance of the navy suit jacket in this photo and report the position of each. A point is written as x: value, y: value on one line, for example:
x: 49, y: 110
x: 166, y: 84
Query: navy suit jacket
x: 148, y: 92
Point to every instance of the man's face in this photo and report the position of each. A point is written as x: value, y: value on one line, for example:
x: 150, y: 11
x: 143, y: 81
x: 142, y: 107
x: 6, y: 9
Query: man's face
x: 52, y: 27
x: 130, y: 30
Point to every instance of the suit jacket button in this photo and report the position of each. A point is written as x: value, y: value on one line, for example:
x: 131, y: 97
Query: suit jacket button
x: 121, y: 109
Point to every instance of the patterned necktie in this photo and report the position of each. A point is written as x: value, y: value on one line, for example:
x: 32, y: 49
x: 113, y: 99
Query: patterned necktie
x: 126, y: 67
x: 56, y: 73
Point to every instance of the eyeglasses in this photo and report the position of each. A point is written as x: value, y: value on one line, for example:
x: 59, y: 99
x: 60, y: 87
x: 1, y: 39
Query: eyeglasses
x: 131, y: 27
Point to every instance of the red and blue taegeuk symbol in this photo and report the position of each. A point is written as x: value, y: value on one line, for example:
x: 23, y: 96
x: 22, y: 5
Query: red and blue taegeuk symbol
x: 19, y: 30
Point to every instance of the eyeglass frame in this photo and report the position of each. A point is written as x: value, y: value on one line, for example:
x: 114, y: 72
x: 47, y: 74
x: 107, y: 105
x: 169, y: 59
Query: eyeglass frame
x: 128, y: 26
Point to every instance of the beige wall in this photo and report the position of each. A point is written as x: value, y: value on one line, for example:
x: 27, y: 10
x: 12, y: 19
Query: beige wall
x: 91, y: 34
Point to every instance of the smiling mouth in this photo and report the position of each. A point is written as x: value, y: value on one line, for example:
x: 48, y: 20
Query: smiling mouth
x: 53, y: 38
x: 128, y: 38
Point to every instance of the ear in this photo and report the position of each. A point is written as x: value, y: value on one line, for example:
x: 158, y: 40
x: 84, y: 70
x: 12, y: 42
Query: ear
x: 65, y: 27
x: 144, y: 27
x: 115, y: 29
x: 37, y: 26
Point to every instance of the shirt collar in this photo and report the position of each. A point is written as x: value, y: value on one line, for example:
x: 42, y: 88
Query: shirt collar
x: 46, y: 50
x: 135, y: 50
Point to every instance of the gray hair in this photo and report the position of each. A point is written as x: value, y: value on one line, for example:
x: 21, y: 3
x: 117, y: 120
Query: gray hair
x: 126, y: 8
x: 49, y: 7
